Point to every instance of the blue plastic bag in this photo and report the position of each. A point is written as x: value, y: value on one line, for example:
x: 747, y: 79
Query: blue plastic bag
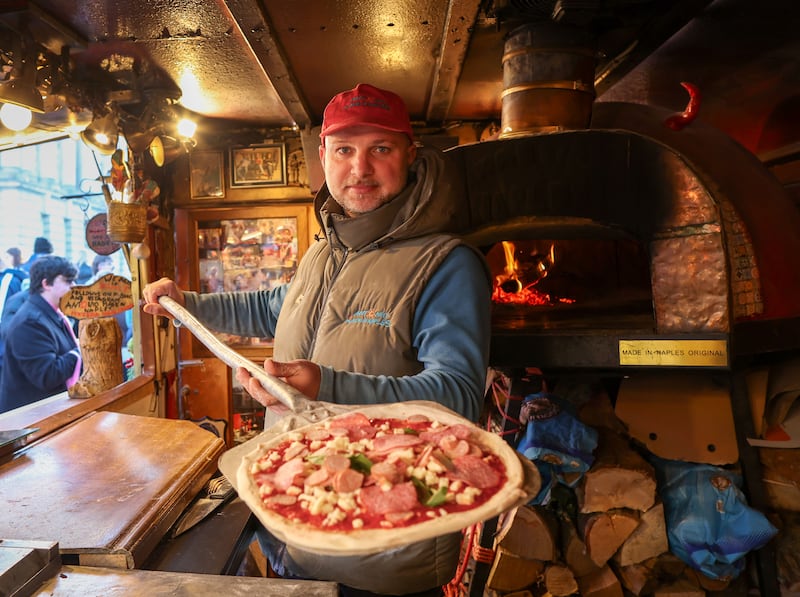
x: 556, y: 438
x: 709, y: 524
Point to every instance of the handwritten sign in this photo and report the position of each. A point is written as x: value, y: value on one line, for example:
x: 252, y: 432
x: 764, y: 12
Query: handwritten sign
x: 107, y: 296
x: 97, y: 236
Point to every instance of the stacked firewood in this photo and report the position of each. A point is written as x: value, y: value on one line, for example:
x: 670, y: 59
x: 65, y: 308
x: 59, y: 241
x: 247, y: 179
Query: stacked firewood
x: 605, y: 537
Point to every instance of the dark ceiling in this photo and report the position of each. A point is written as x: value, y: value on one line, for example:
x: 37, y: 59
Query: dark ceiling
x: 275, y: 64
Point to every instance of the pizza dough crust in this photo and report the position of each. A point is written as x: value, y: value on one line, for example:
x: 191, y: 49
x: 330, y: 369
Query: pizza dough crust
x: 366, y: 541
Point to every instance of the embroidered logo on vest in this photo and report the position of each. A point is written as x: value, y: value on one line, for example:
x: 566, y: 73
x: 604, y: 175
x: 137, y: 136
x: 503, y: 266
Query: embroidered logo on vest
x: 370, y: 317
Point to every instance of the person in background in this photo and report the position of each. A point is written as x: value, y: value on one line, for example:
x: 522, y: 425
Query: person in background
x: 101, y: 265
x: 41, y: 247
x: 13, y: 284
x: 11, y: 278
x: 16, y: 258
x: 42, y: 357
x: 387, y: 307
x: 84, y: 269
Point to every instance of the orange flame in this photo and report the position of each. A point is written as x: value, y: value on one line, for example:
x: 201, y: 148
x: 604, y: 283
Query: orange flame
x: 509, y: 288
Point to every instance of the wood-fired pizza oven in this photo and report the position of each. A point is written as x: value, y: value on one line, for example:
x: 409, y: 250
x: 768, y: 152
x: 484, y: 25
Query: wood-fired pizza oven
x: 632, y: 229
x: 653, y: 232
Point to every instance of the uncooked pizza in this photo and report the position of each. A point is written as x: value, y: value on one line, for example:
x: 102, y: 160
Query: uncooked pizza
x: 379, y: 477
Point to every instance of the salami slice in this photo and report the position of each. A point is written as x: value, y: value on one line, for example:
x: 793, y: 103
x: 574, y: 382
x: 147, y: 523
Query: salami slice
x: 475, y: 471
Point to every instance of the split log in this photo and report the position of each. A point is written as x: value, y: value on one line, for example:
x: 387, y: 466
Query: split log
x: 604, y: 532
x: 788, y: 552
x: 575, y: 554
x: 100, y: 339
x: 559, y: 580
x: 648, y: 540
x: 618, y: 478
x: 598, y: 411
x: 711, y: 585
x: 602, y: 583
x: 638, y: 579
x: 781, y: 475
x: 679, y: 588
x: 529, y: 532
x: 510, y: 572
x: 646, y: 576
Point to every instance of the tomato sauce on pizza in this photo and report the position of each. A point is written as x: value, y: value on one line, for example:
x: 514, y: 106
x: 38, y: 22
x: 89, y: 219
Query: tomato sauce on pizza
x: 353, y: 472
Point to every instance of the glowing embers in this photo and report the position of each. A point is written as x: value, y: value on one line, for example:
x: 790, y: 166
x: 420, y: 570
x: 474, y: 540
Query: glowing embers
x: 516, y: 283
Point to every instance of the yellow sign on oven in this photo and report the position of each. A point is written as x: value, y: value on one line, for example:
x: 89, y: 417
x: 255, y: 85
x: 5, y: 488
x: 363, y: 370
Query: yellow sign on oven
x: 674, y: 353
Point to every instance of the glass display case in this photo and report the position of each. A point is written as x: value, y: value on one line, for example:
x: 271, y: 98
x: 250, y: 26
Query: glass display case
x: 241, y: 249
x: 232, y: 249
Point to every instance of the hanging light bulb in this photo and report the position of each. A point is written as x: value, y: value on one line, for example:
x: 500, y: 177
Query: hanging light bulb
x: 15, y: 117
x: 102, y: 134
x: 187, y: 128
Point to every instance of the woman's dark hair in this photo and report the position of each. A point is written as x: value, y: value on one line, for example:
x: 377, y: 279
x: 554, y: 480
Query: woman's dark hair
x: 49, y: 267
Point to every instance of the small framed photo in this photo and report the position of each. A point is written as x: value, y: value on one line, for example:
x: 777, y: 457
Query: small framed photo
x: 206, y: 177
x: 258, y: 166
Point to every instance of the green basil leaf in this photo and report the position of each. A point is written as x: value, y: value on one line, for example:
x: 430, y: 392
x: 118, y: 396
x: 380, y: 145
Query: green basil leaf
x: 423, y: 491
x: 360, y: 463
x: 438, y: 498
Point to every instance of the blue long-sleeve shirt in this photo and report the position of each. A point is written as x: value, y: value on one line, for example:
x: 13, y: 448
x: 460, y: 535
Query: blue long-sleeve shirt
x: 451, y: 332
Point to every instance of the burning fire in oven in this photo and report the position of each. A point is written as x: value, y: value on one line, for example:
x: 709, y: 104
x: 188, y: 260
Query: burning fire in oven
x: 517, y: 282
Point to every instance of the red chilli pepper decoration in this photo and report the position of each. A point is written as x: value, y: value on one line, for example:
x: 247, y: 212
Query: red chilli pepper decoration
x: 677, y: 121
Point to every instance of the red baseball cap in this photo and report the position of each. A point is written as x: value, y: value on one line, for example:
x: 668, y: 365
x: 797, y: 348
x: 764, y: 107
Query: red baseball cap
x: 365, y: 105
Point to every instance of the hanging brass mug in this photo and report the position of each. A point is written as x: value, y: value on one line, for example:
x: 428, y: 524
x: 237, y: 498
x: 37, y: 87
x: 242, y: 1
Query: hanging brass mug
x: 127, y: 222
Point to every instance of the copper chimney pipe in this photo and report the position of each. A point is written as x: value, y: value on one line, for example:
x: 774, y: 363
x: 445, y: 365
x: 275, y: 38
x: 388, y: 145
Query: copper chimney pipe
x: 548, y: 79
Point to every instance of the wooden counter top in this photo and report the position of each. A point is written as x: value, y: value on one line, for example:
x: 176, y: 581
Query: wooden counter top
x: 107, y: 487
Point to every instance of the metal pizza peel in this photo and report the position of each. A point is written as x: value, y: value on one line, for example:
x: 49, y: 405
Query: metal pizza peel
x: 289, y: 396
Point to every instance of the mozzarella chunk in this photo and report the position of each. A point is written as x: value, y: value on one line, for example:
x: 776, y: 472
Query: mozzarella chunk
x: 406, y: 455
x: 467, y: 497
x: 333, y: 517
x: 434, y: 466
x: 340, y: 444
x: 346, y: 501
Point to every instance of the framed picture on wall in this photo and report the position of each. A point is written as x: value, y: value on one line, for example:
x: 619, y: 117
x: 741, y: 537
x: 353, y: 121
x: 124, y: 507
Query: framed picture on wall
x: 258, y: 165
x: 206, y: 177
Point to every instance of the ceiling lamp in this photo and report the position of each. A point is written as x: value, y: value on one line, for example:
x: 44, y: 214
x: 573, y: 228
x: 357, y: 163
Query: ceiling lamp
x: 21, y: 89
x: 22, y: 94
x: 165, y: 150
x: 139, y: 140
x: 15, y: 118
x: 102, y: 134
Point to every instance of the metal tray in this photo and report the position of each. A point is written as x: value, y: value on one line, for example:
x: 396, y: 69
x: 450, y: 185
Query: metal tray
x: 11, y: 439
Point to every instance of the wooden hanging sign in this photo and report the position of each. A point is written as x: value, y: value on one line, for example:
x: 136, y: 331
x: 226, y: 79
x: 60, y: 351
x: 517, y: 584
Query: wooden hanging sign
x: 108, y: 296
x: 97, y: 236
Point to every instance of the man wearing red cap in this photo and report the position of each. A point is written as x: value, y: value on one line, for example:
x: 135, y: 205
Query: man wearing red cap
x: 389, y: 306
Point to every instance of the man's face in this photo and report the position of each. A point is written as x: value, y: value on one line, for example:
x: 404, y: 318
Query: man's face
x: 53, y: 292
x: 366, y: 167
